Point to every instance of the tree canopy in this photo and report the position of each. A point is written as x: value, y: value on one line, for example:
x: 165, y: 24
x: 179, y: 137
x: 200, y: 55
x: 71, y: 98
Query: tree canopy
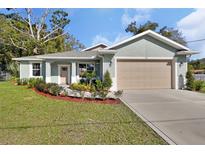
x: 170, y: 33
x: 24, y: 33
x: 198, y: 64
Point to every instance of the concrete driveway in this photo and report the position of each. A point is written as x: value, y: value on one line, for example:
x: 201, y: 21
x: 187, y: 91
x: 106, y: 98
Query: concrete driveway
x: 176, y: 115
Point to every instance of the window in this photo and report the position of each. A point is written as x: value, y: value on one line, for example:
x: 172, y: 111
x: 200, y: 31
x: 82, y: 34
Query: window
x: 85, y: 67
x: 36, y: 69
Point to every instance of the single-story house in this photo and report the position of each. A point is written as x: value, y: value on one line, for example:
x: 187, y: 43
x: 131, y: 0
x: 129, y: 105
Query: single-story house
x: 144, y: 61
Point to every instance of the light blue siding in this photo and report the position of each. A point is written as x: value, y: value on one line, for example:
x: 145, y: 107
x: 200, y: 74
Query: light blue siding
x: 24, y: 69
x: 145, y: 47
x: 54, y: 69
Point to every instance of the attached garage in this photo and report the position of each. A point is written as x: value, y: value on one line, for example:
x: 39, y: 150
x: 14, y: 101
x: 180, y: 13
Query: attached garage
x: 144, y: 74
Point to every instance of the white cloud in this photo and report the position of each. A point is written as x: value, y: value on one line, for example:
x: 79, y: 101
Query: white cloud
x: 100, y: 39
x: 193, y: 28
x: 139, y: 15
x: 103, y: 39
x: 120, y: 37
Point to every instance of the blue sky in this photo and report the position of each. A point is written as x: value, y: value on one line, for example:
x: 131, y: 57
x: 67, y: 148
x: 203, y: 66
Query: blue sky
x: 87, y: 24
x: 92, y: 26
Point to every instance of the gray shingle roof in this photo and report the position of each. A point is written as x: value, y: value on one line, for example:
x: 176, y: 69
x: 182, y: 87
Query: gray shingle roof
x: 68, y: 54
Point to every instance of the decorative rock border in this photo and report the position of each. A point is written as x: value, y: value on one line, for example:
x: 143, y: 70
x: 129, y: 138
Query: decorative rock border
x: 85, y: 94
x: 79, y: 100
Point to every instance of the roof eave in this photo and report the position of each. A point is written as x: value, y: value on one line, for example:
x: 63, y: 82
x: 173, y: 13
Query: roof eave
x: 95, y: 46
x: 187, y: 53
x: 27, y: 59
x: 93, y: 57
x: 104, y: 51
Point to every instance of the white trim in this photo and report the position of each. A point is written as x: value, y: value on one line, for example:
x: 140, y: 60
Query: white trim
x: 95, y: 46
x: 27, y: 59
x: 186, y: 53
x: 59, y: 68
x: 155, y: 35
x: 176, y: 74
x: 93, y: 57
x: 31, y: 69
x: 20, y: 70
x: 48, y: 74
x: 115, y: 80
x: 73, y: 72
x: 144, y: 58
x: 186, y: 66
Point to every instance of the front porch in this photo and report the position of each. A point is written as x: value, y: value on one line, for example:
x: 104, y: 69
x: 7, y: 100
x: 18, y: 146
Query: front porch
x: 66, y: 72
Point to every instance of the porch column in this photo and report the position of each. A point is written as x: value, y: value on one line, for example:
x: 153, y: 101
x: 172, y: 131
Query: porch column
x: 73, y: 72
x: 48, y: 72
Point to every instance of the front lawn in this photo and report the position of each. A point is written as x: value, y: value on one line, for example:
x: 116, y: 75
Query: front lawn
x: 28, y: 118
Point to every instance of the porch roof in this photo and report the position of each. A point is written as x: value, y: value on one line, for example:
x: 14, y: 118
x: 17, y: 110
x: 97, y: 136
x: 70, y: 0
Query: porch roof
x: 61, y: 55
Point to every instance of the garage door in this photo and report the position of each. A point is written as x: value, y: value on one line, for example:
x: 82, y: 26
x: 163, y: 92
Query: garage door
x: 143, y: 74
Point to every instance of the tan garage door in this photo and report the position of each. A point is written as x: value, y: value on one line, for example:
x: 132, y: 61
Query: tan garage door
x: 143, y: 74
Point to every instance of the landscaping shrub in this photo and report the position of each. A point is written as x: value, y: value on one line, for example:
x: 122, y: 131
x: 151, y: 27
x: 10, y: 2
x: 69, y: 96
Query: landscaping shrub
x: 118, y: 93
x: 51, y: 88
x: 190, y: 80
x: 64, y: 93
x: 198, y: 85
x: 88, y: 78
x: 103, y: 93
x: 14, y: 79
x: 23, y: 81
x: 80, y: 87
x: 49, y: 85
x: 55, y: 90
x: 99, y: 85
x: 107, y: 82
x: 18, y: 81
x: 100, y: 89
x: 40, y: 87
x: 75, y: 86
x: 202, y: 90
x: 32, y: 82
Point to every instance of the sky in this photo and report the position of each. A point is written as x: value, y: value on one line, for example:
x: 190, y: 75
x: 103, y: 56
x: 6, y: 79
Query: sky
x: 108, y: 25
x: 93, y: 26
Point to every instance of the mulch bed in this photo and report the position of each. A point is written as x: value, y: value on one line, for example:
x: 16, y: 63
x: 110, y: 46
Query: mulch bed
x: 79, y: 100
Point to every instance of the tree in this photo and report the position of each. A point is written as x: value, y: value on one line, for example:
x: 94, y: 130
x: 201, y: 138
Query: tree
x: 132, y: 27
x: 190, y: 79
x: 198, y: 64
x: 36, y: 34
x: 170, y: 33
x: 107, y: 81
x: 24, y: 34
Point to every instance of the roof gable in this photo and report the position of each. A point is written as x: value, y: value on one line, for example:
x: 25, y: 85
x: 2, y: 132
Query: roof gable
x: 96, y: 47
x: 154, y: 35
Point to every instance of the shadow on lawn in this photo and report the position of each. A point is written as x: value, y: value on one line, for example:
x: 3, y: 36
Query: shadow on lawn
x: 68, y: 124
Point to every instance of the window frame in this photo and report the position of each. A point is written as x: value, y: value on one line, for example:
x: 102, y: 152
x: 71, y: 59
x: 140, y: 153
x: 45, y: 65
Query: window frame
x: 84, y: 63
x: 31, y: 69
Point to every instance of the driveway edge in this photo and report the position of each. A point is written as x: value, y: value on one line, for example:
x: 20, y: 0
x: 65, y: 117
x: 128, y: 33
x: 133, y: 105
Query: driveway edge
x: 150, y: 124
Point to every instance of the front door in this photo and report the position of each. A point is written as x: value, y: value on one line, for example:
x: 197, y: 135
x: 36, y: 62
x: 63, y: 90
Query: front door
x: 64, y: 75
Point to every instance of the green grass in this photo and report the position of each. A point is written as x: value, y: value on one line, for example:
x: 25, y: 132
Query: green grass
x: 28, y: 118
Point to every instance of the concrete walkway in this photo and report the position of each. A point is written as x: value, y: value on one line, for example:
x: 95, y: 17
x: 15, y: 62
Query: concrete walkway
x: 176, y: 115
